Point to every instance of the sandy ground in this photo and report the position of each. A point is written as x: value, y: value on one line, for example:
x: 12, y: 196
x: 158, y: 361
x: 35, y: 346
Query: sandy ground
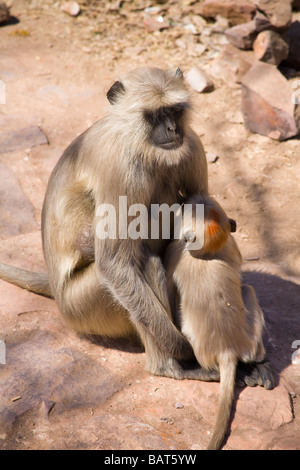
x: 62, y: 391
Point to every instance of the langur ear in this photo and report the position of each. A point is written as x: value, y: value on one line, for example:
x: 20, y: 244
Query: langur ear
x: 179, y: 73
x: 232, y: 225
x: 115, y: 91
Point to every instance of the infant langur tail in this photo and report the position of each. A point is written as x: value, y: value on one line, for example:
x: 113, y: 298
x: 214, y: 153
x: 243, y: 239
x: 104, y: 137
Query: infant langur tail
x: 34, y: 282
x: 227, y: 367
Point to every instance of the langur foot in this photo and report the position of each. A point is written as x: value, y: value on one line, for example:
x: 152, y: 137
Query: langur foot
x: 173, y: 369
x: 256, y: 373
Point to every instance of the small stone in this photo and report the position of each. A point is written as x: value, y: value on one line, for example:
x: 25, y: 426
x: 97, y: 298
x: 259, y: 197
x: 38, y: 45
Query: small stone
x: 211, y: 157
x: 156, y: 24
x: 279, y: 12
x: 231, y: 64
x: 45, y: 407
x: 198, y: 50
x: 243, y: 36
x: 236, y: 11
x: 16, y: 399
x: 296, y: 354
x: 190, y: 28
x: 262, y: 22
x: 72, y: 8
x: 199, y: 80
x: 270, y: 47
x: 179, y: 405
x: 4, y: 13
x: 220, y: 25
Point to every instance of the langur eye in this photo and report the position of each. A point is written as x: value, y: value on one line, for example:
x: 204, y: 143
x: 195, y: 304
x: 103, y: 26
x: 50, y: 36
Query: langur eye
x: 178, y: 109
x: 189, y: 236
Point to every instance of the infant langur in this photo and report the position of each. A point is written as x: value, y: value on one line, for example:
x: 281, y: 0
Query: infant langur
x: 220, y: 317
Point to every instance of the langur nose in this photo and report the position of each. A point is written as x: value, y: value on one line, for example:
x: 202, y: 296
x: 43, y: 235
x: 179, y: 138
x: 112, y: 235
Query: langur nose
x: 171, y: 127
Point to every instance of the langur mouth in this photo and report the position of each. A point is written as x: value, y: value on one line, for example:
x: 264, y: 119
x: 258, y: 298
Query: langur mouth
x: 172, y: 145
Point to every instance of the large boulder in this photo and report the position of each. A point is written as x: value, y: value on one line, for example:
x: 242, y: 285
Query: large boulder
x: 267, y: 103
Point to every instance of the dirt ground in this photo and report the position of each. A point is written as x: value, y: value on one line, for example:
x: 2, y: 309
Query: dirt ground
x: 62, y: 391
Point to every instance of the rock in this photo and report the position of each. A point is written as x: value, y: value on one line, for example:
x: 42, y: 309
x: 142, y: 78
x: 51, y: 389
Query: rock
x: 16, y: 211
x: 220, y: 25
x: 243, y: 36
x: 273, y: 407
x: 232, y: 64
x: 211, y: 157
x: 24, y: 138
x: 267, y: 103
x: 116, y: 432
x: 72, y: 8
x: 56, y: 375
x: 258, y: 412
x: 293, y: 38
x: 236, y: 11
x: 190, y: 28
x: 270, y: 47
x: 45, y: 407
x: 196, y: 50
x: 279, y: 12
x: 262, y: 22
x: 290, y: 443
x: 179, y: 405
x: 4, y: 12
x: 156, y: 24
x: 199, y: 80
x: 296, y: 4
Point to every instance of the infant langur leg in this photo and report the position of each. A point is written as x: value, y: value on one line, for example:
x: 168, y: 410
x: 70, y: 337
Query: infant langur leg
x: 159, y: 362
x: 262, y: 373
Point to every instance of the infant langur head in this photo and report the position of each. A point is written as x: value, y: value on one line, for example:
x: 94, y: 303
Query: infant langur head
x: 205, y: 226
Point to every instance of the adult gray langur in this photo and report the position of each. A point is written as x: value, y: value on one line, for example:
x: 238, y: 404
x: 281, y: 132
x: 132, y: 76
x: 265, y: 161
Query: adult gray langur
x: 143, y: 149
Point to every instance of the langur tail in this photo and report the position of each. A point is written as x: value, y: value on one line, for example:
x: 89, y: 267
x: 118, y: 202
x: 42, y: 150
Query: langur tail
x: 227, y: 366
x: 34, y: 282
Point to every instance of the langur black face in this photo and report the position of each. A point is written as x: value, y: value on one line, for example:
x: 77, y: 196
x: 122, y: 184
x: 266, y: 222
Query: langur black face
x: 166, y: 126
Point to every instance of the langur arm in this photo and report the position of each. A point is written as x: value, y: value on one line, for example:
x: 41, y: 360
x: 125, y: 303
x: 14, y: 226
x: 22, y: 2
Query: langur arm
x: 132, y: 277
x: 195, y: 178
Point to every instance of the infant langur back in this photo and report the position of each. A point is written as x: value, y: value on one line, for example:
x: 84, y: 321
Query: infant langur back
x: 220, y: 317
